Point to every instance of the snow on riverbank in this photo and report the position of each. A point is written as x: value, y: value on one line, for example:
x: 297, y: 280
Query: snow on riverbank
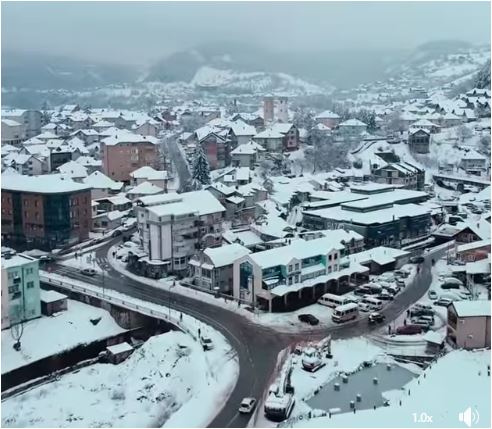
x: 168, y: 381
x: 442, y: 391
x: 47, y: 336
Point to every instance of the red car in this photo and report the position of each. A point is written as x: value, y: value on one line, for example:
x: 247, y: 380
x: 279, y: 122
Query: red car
x: 409, y: 330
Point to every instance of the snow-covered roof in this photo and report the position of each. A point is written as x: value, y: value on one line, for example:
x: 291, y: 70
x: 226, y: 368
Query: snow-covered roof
x: 240, y: 128
x: 226, y: 254
x: 145, y: 188
x: 149, y: 173
x: 353, y: 123
x: 73, y: 169
x: 473, y: 245
x: 17, y: 260
x: 424, y: 123
x: 124, y: 136
x: 299, y: 249
x: 249, y: 148
x: 246, y: 237
x: 224, y: 189
x: 45, y: 184
x: 269, y: 133
x: 119, y: 348
x: 384, y: 215
x: 478, y: 308
x: 327, y: 114
x: 89, y: 161
x: 199, y: 202
x: 48, y: 296
x: 116, y: 200
x: 98, y: 180
x: 11, y: 123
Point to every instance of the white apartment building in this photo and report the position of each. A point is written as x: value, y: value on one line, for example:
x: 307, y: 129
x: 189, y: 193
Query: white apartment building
x: 173, y: 227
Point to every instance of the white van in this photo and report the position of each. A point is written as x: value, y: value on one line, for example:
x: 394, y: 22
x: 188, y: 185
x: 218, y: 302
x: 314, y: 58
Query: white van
x: 373, y: 303
x: 332, y: 301
x: 346, y: 312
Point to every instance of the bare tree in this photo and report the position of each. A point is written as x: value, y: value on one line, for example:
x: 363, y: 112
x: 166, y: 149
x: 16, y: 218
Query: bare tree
x: 464, y: 133
x: 17, y: 328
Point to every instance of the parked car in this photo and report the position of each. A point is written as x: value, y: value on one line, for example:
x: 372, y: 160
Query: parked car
x: 402, y: 273
x: 206, y: 343
x: 409, y: 330
x: 247, y: 405
x: 88, y: 272
x: 376, y: 318
x: 363, y: 290
x: 400, y: 283
x: 385, y: 297
x: 308, y: 318
x: 432, y: 294
x: 448, y: 285
x: 364, y: 307
x: 424, y: 324
x: 418, y: 305
x: 443, y: 302
x: 417, y: 260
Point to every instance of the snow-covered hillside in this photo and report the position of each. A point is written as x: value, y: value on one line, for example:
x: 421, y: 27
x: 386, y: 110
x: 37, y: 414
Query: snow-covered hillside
x: 253, y: 82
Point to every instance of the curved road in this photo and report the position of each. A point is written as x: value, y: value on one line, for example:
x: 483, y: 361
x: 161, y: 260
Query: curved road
x: 257, y: 347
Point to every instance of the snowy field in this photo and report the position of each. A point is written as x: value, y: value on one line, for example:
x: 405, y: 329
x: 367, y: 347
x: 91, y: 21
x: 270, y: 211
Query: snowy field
x: 47, y: 336
x: 170, y: 381
x: 441, y: 392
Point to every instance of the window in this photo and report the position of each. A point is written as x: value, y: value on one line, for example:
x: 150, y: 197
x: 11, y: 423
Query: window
x: 13, y: 289
x: 297, y: 267
x: 336, y: 256
x: 329, y: 257
x: 16, y: 295
x: 29, y: 270
x: 30, y: 285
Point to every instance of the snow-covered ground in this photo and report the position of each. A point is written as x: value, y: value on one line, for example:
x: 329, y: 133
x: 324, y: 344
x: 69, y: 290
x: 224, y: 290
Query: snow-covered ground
x: 47, y: 336
x: 87, y: 260
x: 169, y: 381
x: 455, y: 382
x: 348, y: 355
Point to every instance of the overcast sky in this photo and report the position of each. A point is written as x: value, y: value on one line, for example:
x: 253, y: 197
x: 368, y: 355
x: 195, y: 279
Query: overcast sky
x: 136, y: 33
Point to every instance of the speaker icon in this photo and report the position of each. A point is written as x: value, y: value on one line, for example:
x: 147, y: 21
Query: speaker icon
x: 469, y: 417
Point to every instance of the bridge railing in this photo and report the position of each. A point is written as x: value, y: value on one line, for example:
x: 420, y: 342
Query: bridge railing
x: 128, y: 304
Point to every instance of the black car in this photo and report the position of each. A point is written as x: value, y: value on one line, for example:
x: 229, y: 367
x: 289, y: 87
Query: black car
x: 116, y: 233
x: 417, y: 260
x: 385, y: 297
x: 308, y: 318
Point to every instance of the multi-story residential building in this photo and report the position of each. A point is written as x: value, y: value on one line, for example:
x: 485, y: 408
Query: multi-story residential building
x: 212, y: 268
x: 32, y: 120
x: 380, y: 222
x: 469, y: 324
x: 292, y: 276
x: 419, y: 140
x: 352, y: 128
x: 328, y: 119
x: 474, y: 163
x: 400, y: 173
x: 148, y: 174
x: 13, y: 132
x: 20, y: 289
x: 28, y: 165
x: 247, y: 154
x: 124, y: 152
x: 272, y: 140
x: 44, y: 212
x: 174, y: 226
